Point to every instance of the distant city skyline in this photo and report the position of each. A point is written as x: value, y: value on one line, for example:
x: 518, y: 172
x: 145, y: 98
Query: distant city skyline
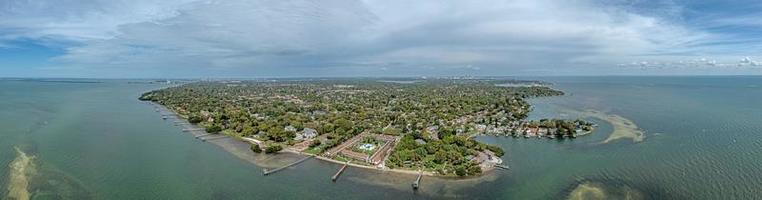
x: 370, y: 38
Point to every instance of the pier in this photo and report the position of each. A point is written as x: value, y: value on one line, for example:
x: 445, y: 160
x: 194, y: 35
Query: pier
x: 213, y: 138
x: 203, y: 135
x: 268, y: 172
x: 505, y: 167
x: 192, y: 129
x: 338, y: 173
x: 417, y: 181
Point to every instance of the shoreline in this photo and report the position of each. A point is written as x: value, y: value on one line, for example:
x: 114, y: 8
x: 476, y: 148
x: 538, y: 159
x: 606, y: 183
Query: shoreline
x: 623, y: 128
x: 197, y: 131
x: 401, y: 171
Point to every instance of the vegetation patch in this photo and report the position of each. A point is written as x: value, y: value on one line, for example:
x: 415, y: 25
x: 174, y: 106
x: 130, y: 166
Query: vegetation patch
x: 427, y: 124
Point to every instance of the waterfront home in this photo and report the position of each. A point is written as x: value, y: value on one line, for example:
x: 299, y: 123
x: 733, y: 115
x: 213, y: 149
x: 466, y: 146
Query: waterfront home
x: 309, y: 133
x: 480, y: 128
x: 543, y: 131
x: 261, y: 133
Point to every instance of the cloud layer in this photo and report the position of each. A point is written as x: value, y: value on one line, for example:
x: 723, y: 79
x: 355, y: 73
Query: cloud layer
x: 371, y: 37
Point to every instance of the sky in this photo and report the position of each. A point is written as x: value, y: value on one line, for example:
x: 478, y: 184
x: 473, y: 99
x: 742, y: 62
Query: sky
x: 339, y: 38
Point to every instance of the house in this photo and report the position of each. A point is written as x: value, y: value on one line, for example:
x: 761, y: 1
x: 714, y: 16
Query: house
x: 433, y: 132
x: 480, y: 128
x: 543, y: 131
x: 319, y: 113
x: 470, y: 157
x: 309, y: 133
x: 290, y: 129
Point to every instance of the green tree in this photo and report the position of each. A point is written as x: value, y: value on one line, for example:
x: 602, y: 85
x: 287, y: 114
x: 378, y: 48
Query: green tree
x: 213, y: 129
x: 315, y: 143
x: 460, y: 170
x: 194, y: 119
x: 255, y: 148
x: 273, y: 149
x: 497, y: 150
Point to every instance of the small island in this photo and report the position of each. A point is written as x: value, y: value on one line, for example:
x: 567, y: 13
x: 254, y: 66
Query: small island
x: 411, y: 126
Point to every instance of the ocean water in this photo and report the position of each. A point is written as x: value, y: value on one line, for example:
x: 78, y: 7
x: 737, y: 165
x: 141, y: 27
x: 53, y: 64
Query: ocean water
x: 97, y: 141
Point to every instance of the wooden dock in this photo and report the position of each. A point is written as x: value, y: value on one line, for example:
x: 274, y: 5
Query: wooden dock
x: 503, y: 167
x: 417, y: 181
x: 268, y: 172
x: 338, y: 173
x: 192, y: 129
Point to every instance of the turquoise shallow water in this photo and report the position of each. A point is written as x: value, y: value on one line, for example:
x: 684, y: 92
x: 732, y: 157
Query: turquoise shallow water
x: 96, y: 141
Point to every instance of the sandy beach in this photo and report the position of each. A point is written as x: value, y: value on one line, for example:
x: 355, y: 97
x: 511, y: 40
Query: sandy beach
x: 623, y: 128
x: 401, y: 171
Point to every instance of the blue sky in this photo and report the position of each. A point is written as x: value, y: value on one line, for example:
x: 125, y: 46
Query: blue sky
x: 287, y: 38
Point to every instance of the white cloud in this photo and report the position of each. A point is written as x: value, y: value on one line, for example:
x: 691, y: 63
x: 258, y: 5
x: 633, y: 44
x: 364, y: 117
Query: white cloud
x: 683, y: 63
x: 80, y: 20
x: 253, y: 34
x: 746, y: 61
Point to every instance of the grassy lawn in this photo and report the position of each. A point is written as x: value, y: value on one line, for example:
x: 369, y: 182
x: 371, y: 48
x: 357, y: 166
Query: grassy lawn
x: 315, y: 150
x: 230, y: 133
x: 340, y: 158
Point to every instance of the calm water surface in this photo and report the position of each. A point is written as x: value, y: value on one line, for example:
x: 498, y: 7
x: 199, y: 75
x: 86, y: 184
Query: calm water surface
x: 96, y: 141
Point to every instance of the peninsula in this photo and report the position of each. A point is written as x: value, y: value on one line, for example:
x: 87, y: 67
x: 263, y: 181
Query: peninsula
x: 417, y: 126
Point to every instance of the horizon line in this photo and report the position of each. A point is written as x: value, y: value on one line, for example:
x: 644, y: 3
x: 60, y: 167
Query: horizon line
x: 375, y: 77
